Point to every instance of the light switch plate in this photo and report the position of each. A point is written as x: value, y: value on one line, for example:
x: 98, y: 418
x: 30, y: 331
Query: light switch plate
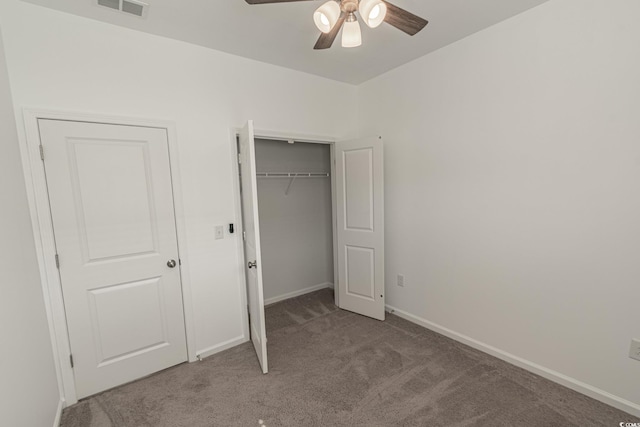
x: 634, y: 351
x: 219, y: 232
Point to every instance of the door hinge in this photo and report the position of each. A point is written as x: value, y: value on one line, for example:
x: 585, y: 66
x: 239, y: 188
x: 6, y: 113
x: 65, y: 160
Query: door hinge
x: 239, y: 159
x: 41, y: 152
x: 244, y: 235
x: 57, y: 262
x: 71, y: 359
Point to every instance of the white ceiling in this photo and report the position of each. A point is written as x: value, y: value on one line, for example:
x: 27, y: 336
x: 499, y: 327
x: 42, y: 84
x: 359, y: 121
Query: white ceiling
x: 284, y: 34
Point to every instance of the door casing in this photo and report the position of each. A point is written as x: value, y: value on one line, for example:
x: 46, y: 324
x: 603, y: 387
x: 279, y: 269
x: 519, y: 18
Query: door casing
x: 38, y: 199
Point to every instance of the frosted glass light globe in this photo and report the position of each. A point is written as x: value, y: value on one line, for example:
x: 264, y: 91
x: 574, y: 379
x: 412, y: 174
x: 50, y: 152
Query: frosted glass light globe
x: 373, y: 12
x: 326, y: 16
x: 351, y: 34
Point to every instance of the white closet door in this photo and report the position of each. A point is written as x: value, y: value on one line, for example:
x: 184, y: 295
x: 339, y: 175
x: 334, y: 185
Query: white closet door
x: 253, y: 258
x: 113, y: 218
x: 360, y: 226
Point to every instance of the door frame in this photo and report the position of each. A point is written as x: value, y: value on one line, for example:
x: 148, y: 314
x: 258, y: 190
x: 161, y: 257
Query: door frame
x: 279, y: 136
x: 38, y: 198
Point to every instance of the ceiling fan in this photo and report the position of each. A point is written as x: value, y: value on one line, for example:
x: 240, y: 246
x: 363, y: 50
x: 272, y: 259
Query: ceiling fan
x: 335, y: 14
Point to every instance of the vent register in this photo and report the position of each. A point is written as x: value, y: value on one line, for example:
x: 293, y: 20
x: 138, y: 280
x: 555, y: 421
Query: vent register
x: 133, y: 7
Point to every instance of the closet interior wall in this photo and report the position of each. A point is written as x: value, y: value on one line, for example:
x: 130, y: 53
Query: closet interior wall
x: 296, y: 227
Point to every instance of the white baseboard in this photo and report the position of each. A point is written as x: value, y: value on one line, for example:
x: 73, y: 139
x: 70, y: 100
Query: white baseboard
x: 209, y: 351
x: 297, y: 293
x: 57, y: 419
x: 557, y: 377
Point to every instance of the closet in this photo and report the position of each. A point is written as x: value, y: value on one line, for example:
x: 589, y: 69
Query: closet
x: 296, y: 221
x: 312, y: 215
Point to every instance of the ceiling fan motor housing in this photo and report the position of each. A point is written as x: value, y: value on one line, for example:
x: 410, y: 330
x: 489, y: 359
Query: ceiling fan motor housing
x: 349, y: 6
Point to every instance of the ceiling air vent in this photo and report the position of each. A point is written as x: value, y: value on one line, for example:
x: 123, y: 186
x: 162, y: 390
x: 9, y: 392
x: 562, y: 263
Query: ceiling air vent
x: 133, y: 7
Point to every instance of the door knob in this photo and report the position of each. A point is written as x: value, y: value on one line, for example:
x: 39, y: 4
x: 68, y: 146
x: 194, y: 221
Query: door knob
x: 253, y: 264
x: 171, y: 263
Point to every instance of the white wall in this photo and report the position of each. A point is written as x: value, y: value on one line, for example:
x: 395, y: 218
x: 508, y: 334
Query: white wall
x: 61, y: 61
x: 513, y: 188
x: 296, y: 229
x: 29, y: 393
x: 512, y: 173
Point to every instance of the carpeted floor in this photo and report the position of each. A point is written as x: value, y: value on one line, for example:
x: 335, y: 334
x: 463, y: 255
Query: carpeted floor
x: 333, y: 368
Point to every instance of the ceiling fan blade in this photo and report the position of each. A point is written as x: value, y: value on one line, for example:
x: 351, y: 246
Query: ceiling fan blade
x: 403, y: 20
x: 271, y: 1
x: 326, y: 39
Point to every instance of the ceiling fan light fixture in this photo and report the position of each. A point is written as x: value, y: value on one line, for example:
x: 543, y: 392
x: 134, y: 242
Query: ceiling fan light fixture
x: 351, y: 34
x: 373, y: 12
x: 326, y: 16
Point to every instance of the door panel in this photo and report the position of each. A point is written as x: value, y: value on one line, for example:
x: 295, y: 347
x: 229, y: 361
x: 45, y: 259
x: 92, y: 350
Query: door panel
x: 250, y: 220
x: 360, y: 274
x: 108, y: 231
x: 115, y: 310
x: 114, y: 225
x: 358, y: 189
x: 360, y: 226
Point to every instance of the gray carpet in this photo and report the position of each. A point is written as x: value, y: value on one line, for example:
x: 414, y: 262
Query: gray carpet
x: 333, y: 368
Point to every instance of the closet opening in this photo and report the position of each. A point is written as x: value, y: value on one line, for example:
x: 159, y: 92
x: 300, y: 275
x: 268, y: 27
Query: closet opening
x: 295, y: 204
x: 312, y: 218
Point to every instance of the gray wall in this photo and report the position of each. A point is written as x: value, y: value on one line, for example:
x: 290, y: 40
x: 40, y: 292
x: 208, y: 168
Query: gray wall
x: 296, y: 229
x: 28, y: 387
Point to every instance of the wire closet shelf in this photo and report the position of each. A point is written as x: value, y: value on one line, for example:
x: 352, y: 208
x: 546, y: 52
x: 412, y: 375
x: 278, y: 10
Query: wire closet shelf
x: 292, y: 176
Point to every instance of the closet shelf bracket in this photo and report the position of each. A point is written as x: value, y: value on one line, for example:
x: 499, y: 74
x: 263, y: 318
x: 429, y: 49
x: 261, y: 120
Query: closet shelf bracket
x: 286, y: 192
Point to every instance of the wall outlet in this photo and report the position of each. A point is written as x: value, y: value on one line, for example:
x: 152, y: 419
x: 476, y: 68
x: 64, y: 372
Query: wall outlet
x: 219, y: 232
x: 400, y: 280
x: 634, y: 351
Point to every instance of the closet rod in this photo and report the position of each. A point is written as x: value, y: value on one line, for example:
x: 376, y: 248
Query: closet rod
x: 292, y: 175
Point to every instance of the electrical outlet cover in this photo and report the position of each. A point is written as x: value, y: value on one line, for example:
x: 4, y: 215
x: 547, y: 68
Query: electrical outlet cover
x: 401, y: 280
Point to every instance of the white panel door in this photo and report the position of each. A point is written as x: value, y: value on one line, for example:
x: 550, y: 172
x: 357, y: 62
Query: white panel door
x: 250, y: 219
x: 360, y: 226
x: 114, y: 225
